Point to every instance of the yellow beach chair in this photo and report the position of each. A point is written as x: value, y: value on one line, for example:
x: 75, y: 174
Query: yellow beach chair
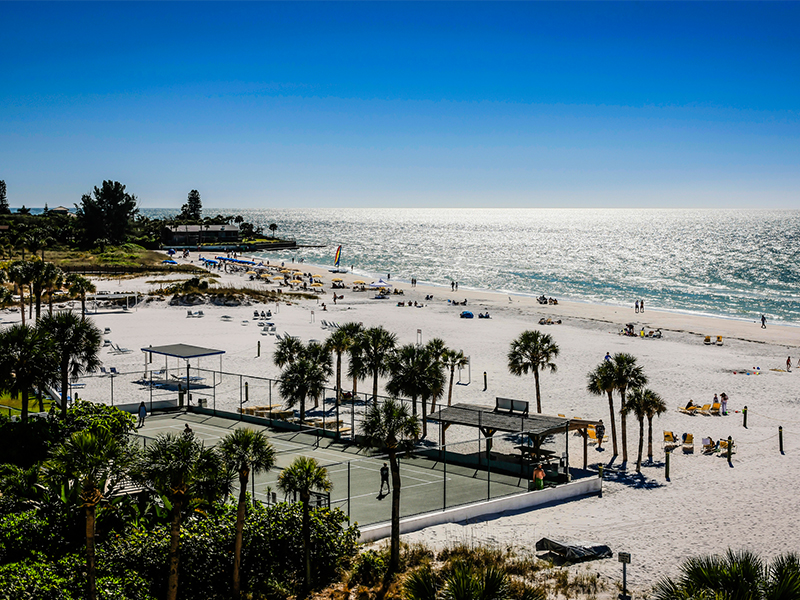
x: 688, y: 411
x: 688, y: 443
x: 670, y: 441
x: 707, y: 340
x: 709, y: 447
x: 719, y: 340
x: 706, y: 410
x: 716, y: 408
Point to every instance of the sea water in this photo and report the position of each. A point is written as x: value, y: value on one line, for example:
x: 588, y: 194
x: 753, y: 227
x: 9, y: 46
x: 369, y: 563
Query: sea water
x: 732, y: 263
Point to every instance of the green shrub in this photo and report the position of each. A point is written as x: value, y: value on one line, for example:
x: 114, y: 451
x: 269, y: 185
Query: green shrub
x: 368, y: 569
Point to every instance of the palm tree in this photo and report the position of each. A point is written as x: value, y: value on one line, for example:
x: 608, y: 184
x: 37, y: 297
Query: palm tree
x: 453, y: 359
x: 601, y: 381
x: 37, y: 239
x: 339, y: 342
x: 287, y: 351
x: 43, y: 274
x: 319, y: 355
x: 533, y: 351
x: 245, y: 451
x: 654, y: 406
x: 415, y: 373
x: 376, y: 344
x: 389, y: 427
x: 189, y: 477
x: 355, y: 369
x: 28, y: 360
x: 637, y: 404
x: 303, y: 378
x: 95, y: 461
x: 734, y: 576
x: 81, y: 286
x: 77, y: 345
x: 20, y: 273
x: 303, y: 476
x: 627, y: 374
x: 273, y: 228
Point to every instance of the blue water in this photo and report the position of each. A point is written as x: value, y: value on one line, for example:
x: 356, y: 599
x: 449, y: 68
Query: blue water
x: 732, y: 263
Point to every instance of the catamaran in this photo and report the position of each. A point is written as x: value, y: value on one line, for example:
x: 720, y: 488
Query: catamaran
x: 337, y: 257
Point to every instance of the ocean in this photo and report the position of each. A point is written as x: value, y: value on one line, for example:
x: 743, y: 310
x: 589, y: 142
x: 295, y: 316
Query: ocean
x: 732, y: 263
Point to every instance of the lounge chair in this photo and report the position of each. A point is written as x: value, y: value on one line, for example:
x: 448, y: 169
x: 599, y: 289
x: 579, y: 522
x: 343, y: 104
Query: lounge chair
x: 716, y: 408
x: 706, y: 410
x: 670, y: 441
x: 107, y: 330
x: 709, y: 447
x: 103, y: 371
x: 199, y: 313
x: 114, y: 371
x: 723, y: 446
x: 719, y: 340
x: 255, y: 314
x: 688, y: 411
x: 121, y: 350
x: 688, y: 443
x: 707, y: 340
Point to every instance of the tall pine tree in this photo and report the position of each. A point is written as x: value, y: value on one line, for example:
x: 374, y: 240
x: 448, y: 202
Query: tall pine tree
x: 193, y: 209
x: 4, y: 210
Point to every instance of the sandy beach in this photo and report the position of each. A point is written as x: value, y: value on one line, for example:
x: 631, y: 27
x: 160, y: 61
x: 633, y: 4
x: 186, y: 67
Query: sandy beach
x: 707, y: 506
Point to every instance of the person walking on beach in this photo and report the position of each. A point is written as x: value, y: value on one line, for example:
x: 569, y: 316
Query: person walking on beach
x: 763, y: 322
x: 456, y: 286
x: 142, y: 414
x: 452, y: 286
x: 789, y: 365
x: 385, y: 478
x: 724, y: 398
x: 607, y: 357
x: 636, y: 305
x: 641, y: 305
x: 600, y: 432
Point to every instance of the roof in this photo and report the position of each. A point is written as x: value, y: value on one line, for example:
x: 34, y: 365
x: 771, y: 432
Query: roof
x: 182, y: 351
x: 204, y: 228
x: 473, y: 415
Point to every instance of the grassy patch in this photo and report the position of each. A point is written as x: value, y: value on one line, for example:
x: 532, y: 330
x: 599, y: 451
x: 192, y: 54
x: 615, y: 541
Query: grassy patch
x: 129, y: 255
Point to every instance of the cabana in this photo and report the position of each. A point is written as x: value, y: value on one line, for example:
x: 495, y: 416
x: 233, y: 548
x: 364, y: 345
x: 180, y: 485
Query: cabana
x: 185, y: 352
x: 511, y: 416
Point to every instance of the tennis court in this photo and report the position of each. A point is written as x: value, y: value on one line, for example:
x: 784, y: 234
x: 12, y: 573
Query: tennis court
x: 428, y: 484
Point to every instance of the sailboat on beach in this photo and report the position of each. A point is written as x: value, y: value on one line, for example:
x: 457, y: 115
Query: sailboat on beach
x: 336, y: 258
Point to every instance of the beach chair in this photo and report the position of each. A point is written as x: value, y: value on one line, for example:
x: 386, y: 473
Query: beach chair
x: 723, y: 447
x: 189, y: 314
x: 562, y: 416
x: 103, y: 371
x: 107, y: 330
x: 255, y: 314
x: 707, y: 340
x: 121, y: 350
x: 688, y: 411
x: 199, y: 313
x: 114, y: 371
x: 670, y: 441
x: 688, y: 443
x: 719, y: 340
x: 716, y: 408
x: 278, y: 337
x: 709, y: 447
x: 705, y: 410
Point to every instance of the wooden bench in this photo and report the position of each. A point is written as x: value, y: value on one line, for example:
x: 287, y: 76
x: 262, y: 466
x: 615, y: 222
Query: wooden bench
x: 511, y: 407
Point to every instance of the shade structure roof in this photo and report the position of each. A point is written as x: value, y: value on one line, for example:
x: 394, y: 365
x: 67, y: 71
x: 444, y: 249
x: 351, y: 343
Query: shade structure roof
x: 474, y: 415
x: 184, y: 351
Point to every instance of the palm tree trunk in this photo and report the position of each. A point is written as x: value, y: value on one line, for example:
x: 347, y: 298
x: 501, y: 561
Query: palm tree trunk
x: 237, y: 544
x: 338, y: 378
x: 24, y: 402
x: 394, y: 557
x: 623, y: 422
x: 83, y: 306
x: 450, y: 391
x: 38, y: 304
x: 613, y: 422
x: 303, y: 408
x: 22, y: 303
x: 424, y: 418
x: 64, y: 386
x: 306, y: 546
x: 650, y: 439
x: 50, y: 303
x: 91, y: 584
x: 641, y: 446
x: 30, y: 302
x: 375, y: 387
x: 538, y: 394
x: 174, y: 551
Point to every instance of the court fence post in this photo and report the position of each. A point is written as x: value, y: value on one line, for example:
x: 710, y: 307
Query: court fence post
x: 488, y: 474
x: 444, y: 478
x: 348, y: 488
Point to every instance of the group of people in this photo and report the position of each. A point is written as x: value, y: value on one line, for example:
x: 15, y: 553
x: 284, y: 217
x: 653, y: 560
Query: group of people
x: 721, y: 400
x: 453, y: 286
x: 545, y: 300
x: 639, y: 306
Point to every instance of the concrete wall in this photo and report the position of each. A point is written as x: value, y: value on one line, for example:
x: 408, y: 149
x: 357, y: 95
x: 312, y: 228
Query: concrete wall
x: 527, y: 500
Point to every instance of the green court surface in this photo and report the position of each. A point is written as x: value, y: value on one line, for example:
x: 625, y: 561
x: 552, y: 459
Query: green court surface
x: 427, y: 484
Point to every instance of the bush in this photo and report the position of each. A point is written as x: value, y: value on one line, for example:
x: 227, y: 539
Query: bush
x: 368, y: 569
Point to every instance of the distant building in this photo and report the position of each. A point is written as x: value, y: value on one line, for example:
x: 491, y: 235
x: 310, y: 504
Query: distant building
x: 61, y: 210
x: 192, y: 235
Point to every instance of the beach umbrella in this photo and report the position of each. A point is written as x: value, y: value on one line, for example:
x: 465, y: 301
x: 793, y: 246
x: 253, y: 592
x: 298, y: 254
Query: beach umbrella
x: 337, y: 279
x: 296, y: 281
x: 251, y: 273
x: 277, y: 276
x: 317, y: 276
x: 168, y: 262
x: 359, y: 282
x: 265, y: 276
x: 317, y: 285
x: 285, y: 271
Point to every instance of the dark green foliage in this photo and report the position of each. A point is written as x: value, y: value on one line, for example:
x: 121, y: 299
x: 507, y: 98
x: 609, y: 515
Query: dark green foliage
x: 107, y: 213
x: 4, y: 210
x: 25, y: 533
x: 368, y: 569
x: 193, y: 209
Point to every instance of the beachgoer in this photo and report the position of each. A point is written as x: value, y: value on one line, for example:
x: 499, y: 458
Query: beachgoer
x: 142, y: 415
x: 690, y: 404
x: 385, y: 478
x: 716, y: 400
x: 538, y: 477
x: 456, y: 286
x: 388, y: 276
x: 637, y: 306
x: 789, y: 364
x: 763, y: 322
x: 600, y: 431
x: 607, y: 357
x: 724, y: 398
x: 334, y: 298
x: 641, y: 305
x: 323, y: 307
x: 452, y: 286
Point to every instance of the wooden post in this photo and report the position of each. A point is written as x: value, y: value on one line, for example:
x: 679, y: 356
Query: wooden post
x: 780, y: 438
x: 744, y: 414
x: 666, y: 464
x: 730, y: 448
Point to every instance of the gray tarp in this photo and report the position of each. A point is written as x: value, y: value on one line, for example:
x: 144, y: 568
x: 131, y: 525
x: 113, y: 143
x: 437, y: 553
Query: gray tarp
x: 575, y: 551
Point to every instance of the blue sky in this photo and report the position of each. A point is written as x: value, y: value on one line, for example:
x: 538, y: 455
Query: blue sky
x: 403, y: 104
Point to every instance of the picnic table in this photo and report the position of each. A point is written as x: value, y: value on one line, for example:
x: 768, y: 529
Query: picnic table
x: 535, y: 454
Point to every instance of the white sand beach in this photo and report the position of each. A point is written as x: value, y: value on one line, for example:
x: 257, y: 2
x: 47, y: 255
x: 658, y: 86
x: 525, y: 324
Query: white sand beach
x: 707, y: 506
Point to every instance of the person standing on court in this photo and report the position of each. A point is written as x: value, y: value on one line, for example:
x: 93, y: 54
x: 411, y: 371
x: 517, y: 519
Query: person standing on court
x: 142, y: 414
x: 385, y: 478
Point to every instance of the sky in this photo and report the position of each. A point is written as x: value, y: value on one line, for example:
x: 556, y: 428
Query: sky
x: 382, y: 104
